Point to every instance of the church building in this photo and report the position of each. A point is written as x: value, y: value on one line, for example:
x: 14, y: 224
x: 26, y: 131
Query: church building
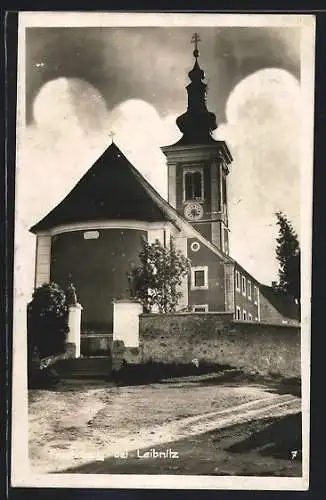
x: 94, y: 235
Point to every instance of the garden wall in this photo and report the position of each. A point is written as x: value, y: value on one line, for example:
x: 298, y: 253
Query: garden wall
x: 217, y: 338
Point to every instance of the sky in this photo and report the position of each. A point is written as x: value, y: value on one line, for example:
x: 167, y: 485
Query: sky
x: 83, y: 83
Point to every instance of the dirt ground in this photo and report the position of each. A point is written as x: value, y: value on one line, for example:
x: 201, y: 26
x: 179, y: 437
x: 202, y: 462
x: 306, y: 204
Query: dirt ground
x: 73, y: 428
x: 266, y: 447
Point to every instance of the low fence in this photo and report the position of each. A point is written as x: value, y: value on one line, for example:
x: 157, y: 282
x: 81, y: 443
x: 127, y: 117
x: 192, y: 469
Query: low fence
x: 217, y: 338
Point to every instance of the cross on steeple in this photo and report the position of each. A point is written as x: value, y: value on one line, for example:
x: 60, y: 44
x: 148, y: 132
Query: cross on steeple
x: 112, y: 134
x: 195, y: 39
x: 197, y: 123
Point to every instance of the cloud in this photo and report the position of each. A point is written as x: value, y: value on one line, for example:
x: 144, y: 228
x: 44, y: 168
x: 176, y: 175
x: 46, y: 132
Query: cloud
x: 71, y: 130
x: 140, y: 132
x: 151, y: 63
x: 263, y: 132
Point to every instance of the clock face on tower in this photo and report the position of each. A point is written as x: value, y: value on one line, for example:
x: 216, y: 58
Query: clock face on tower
x: 193, y: 211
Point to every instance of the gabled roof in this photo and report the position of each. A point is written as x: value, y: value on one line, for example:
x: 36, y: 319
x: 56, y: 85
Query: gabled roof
x: 110, y: 189
x: 114, y: 189
x: 283, y: 303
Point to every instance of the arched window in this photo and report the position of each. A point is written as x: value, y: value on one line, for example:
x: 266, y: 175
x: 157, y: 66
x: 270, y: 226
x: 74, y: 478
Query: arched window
x: 193, y: 184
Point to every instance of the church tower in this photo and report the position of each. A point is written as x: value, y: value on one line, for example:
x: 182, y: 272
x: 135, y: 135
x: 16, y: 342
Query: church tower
x: 198, y: 165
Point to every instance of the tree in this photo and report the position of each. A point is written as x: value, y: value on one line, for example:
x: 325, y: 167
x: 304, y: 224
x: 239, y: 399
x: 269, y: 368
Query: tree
x: 159, y: 275
x: 47, y: 320
x: 288, y: 256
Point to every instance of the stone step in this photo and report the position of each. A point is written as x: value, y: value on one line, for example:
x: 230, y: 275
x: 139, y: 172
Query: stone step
x: 84, y: 367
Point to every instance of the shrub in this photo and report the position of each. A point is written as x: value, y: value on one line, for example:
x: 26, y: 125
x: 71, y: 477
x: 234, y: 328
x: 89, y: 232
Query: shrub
x: 156, y: 281
x: 118, y: 347
x: 47, y: 320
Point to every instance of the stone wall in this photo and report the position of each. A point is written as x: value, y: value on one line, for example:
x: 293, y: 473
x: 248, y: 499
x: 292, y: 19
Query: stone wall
x: 217, y: 338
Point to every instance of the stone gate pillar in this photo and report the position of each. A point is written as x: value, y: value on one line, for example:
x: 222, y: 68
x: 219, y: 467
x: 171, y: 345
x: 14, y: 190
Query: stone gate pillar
x: 74, y: 323
x: 126, y: 321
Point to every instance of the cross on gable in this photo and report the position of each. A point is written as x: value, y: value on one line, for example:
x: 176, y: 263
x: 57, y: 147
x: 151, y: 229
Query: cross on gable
x: 112, y: 134
x: 196, y: 39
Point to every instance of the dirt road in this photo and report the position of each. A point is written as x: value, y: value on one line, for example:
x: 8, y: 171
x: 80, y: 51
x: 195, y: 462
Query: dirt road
x: 72, y: 428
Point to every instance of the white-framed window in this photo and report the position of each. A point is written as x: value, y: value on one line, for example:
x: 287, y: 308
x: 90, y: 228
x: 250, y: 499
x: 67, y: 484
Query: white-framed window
x: 238, y: 313
x: 255, y: 295
x: 193, y: 184
x: 249, y: 317
x: 199, y: 278
x: 200, y: 308
x: 249, y: 289
x: 237, y: 281
x: 244, y: 288
x: 244, y: 315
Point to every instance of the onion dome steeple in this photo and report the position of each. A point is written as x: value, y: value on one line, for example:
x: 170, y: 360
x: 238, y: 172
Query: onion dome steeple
x: 197, y: 123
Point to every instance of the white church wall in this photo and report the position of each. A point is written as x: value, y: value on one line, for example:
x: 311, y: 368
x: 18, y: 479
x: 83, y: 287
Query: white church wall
x: 155, y: 234
x: 43, y: 260
x: 162, y: 232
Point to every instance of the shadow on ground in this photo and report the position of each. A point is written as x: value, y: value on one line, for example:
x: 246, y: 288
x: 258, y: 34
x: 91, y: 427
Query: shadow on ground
x: 148, y: 373
x: 186, y: 374
x: 273, y: 383
x: 206, y: 374
x: 279, y: 438
x: 260, y: 448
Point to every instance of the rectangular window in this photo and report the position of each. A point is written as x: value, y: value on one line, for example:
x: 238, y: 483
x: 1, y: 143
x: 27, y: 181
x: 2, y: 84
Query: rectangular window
x: 200, y: 308
x: 243, y: 286
x: 199, y: 278
x: 250, y: 317
x: 238, y: 313
x: 249, y: 289
x: 244, y: 315
x: 237, y: 281
x: 193, y: 184
x: 255, y: 295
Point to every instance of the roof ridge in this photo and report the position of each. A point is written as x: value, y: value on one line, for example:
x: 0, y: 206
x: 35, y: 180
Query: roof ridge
x: 81, y: 188
x: 165, y: 209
